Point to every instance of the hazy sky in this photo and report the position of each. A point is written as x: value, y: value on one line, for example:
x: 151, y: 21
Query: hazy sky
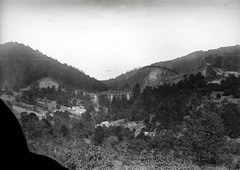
x: 107, y: 39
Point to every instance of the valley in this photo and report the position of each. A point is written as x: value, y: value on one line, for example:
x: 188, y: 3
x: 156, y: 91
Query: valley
x: 148, y: 118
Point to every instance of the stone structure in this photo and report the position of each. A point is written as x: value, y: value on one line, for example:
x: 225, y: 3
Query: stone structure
x: 112, y: 93
x: 118, y: 94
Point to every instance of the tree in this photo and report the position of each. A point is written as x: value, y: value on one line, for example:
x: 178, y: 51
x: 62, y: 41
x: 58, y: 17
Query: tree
x: 227, y: 92
x: 99, y: 135
x: 136, y: 91
x: 210, y: 72
x: 64, y: 129
x: 142, y: 136
x: 138, y: 145
x: 77, y: 129
x: 110, y: 141
x: 137, y: 110
x: 24, y: 119
x: 218, y: 95
x: 203, y: 134
x: 29, y: 123
x: 227, y: 64
x: 146, y: 120
x: 236, y: 91
x: 199, y: 77
x: 150, y: 126
x: 90, y: 108
x: 17, y: 98
x: 42, y: 128
x: 209, y: 59
x: 218, y: 62
x: 154, y: 119
x: 114, y: 101
x: 46, y: 126
x: 103, y: 101
x: 230, y: 114
x: 164, y: 142
x: 87, y: 116
x: 192, y: 78
x: 58, y: 107
x: 127, y: 86
x: 63, y: 115
x: 60, y: 128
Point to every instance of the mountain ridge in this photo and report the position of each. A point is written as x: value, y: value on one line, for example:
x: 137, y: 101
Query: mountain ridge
x: 22, y: 66
x: 190, y: 63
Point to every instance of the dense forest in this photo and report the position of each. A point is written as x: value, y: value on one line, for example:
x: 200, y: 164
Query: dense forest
x: 190, y: 128
x: 225, y: 58
x: 189, y: 124
x: 22, y: 66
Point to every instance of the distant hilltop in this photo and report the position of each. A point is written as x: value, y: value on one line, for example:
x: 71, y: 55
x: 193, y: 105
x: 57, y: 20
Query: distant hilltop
x: 226, y: 59
x: 21, y: 66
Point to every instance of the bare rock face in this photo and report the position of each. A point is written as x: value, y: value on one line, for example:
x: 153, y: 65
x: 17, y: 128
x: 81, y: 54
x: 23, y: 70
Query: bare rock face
x: 153, y: 78
x: 47, y: 82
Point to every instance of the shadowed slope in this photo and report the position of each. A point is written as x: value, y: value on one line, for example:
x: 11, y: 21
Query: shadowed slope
x: 15, y: 152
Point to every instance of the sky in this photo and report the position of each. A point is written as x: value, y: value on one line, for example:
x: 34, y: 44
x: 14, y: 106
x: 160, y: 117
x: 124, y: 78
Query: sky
x: 105, y: 38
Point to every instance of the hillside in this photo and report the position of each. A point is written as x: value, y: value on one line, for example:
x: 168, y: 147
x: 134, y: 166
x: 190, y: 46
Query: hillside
x: 22, y: 66
x: 225, y: 58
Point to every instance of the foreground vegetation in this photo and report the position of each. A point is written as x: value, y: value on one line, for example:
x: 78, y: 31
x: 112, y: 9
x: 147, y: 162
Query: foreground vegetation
x: 200, y: 141
x: 182, y: 128
x: 178, y: 126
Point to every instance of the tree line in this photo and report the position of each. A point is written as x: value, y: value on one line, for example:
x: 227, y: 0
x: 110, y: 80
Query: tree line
x: 22, y: 66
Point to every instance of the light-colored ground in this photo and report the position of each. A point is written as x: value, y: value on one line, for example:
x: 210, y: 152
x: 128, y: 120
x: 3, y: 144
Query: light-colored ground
x: 7, y: 97
x: 229, y: 98
x: 47, y: 82
x: 17, y: 110
x: 40, y: 112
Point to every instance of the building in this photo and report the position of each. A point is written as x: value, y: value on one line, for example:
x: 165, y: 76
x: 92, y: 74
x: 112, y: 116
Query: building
x: 112, y: 93
x: 118, y: 94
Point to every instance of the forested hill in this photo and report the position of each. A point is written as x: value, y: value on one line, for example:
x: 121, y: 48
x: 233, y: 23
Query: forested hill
x: 21, y: 66
x: 225, y: 58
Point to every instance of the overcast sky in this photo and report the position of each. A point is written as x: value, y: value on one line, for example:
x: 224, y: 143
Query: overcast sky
x: 107, y: 39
